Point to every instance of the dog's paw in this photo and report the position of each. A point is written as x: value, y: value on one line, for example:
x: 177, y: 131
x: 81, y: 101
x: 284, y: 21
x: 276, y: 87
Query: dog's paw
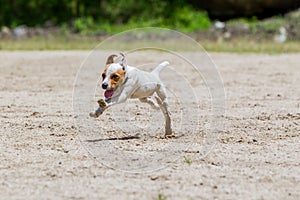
x: 97, y: 113
x: 102, y: 103
x: 169, y: 133
x: 93, y: 114
x: 172, y: 135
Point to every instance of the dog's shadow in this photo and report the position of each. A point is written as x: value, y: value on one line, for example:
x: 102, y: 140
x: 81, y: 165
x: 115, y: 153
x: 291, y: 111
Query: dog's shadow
x: 131, y: 137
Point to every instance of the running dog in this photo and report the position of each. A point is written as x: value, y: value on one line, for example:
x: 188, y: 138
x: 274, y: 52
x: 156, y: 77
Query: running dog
x: 122, y: 82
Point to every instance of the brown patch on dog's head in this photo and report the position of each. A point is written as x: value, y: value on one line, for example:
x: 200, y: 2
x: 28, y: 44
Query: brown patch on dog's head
x: 117, y: 78
x: 110, y: 59
x: 104, y: 74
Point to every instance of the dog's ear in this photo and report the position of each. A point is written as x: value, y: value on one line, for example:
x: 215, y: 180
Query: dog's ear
x: 123, y: 62
x: 110, y: 59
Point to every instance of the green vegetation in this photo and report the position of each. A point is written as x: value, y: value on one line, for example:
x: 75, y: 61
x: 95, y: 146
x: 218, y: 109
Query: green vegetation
x: 272, y: 25
x: 104, y: 16
x: 49, y: 43
x: 268, y: 25
x: 82, y: 24
x: 187, y: 160
x: 244, y: 45
x: 88, y: 43
x: 186, y: 20
x: 161, y: 197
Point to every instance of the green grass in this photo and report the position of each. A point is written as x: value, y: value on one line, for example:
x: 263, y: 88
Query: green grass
x: 187, y: 160
x: 161, y: 197
x: 49, y: 43
x: 87, y: 43
x: 246, y: 46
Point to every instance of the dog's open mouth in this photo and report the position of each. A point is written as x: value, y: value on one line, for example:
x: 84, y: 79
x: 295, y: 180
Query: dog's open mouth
x: 108, y: 93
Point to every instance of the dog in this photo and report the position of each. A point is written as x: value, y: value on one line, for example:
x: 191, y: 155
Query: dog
x: 122, y: 82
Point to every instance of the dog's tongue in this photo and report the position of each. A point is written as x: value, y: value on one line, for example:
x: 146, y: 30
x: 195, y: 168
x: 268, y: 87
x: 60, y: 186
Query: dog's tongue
x: 108, y: 93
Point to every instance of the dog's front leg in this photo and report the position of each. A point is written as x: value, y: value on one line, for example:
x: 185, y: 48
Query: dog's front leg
x: 104, y: 104
x: 100, y: 110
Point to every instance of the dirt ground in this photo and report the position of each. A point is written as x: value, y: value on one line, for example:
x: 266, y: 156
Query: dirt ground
x: 43, y: 155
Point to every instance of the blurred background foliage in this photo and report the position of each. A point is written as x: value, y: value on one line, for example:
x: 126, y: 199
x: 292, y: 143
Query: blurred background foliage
x: 111, y: 16
x: 220, y: 21
x: 103, y: 15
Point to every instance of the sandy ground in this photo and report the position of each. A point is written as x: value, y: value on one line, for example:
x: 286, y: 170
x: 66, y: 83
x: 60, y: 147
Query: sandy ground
x: 44, y: 155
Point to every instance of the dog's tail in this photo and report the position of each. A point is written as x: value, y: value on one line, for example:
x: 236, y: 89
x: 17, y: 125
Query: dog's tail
x: 160, y: 67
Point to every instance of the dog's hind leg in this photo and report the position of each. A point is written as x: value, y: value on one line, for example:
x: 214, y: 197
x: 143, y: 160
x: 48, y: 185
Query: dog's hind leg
x: 150, y: 101
x: 163, y: 104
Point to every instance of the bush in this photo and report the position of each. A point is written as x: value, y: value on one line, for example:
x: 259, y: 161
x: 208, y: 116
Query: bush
x: 188, y: 20
x: 104, y: 15
x: 84, y: 25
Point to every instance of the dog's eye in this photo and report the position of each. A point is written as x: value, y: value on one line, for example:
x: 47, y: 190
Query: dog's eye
x: 103, y: 76
x: 114, y: 76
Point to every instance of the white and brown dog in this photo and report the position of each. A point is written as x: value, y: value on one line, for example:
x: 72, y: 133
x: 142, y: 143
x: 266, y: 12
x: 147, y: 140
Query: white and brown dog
x: 122, y: 82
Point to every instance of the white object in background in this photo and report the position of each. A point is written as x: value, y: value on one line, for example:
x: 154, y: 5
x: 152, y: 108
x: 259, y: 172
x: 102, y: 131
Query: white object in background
x: 219, y: 25
x: 282, y: 37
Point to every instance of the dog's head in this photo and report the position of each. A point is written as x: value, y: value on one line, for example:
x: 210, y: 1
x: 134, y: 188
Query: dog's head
x: 113, y: 75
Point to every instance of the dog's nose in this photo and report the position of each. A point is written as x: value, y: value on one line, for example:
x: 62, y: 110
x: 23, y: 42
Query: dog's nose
x: 104, y: 85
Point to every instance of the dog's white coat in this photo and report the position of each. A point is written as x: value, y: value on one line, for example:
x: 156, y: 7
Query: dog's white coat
x: 139, y: 84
